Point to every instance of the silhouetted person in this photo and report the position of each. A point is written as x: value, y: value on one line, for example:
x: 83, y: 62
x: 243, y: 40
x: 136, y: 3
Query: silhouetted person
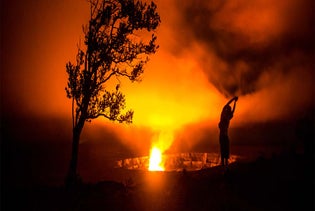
x: 226, y: 116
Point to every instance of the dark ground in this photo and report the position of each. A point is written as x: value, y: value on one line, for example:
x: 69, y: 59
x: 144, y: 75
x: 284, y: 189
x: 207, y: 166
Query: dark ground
x: 35, y: 156
x: 282, y: 182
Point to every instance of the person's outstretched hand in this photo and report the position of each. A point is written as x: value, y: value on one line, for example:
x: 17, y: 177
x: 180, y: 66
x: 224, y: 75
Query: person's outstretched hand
x: 236, y: 98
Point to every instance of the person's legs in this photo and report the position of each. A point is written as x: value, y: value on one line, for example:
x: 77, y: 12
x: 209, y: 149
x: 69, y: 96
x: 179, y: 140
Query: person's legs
x: 227, y: 150
x: 222, y: 159
x: 224, y: 149
x: 221, y: 149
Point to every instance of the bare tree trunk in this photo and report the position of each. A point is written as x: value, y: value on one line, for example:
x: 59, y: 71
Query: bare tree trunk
x: 72, y: 178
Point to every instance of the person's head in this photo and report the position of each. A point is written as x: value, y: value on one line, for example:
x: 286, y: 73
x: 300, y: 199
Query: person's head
x: 227, y: 109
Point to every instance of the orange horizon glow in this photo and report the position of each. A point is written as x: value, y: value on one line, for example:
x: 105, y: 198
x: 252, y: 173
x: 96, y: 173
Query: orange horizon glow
x: 171, y: 98
x: 177, y: 98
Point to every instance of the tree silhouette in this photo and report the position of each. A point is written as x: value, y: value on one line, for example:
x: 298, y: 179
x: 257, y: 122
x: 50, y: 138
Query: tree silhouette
x: 113, y: 49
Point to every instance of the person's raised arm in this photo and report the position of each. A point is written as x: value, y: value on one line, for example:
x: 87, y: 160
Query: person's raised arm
x: 234, y: 98
x: 234, y: 106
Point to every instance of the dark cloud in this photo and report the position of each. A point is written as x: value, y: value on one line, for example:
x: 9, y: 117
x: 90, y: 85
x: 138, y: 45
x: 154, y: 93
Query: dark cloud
x: 250, y: 38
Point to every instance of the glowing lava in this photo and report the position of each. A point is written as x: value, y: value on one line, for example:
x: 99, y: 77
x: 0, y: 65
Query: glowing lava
x: 155, y: 160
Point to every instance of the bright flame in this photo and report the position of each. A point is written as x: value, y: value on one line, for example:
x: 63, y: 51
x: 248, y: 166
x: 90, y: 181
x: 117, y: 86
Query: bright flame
x: 162, y: 140
x: 155, y: 160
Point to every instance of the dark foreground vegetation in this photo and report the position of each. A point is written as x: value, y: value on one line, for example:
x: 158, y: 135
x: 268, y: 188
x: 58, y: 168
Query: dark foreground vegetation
x: 283, y: 182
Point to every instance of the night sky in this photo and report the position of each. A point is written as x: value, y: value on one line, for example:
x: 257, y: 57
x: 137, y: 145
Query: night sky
x: 261, y: 51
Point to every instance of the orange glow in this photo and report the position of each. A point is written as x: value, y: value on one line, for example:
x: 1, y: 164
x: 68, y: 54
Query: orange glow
x: 166, y: 102
x: 171, y: 99
x: 155, y: 160
x: 176, y: 100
